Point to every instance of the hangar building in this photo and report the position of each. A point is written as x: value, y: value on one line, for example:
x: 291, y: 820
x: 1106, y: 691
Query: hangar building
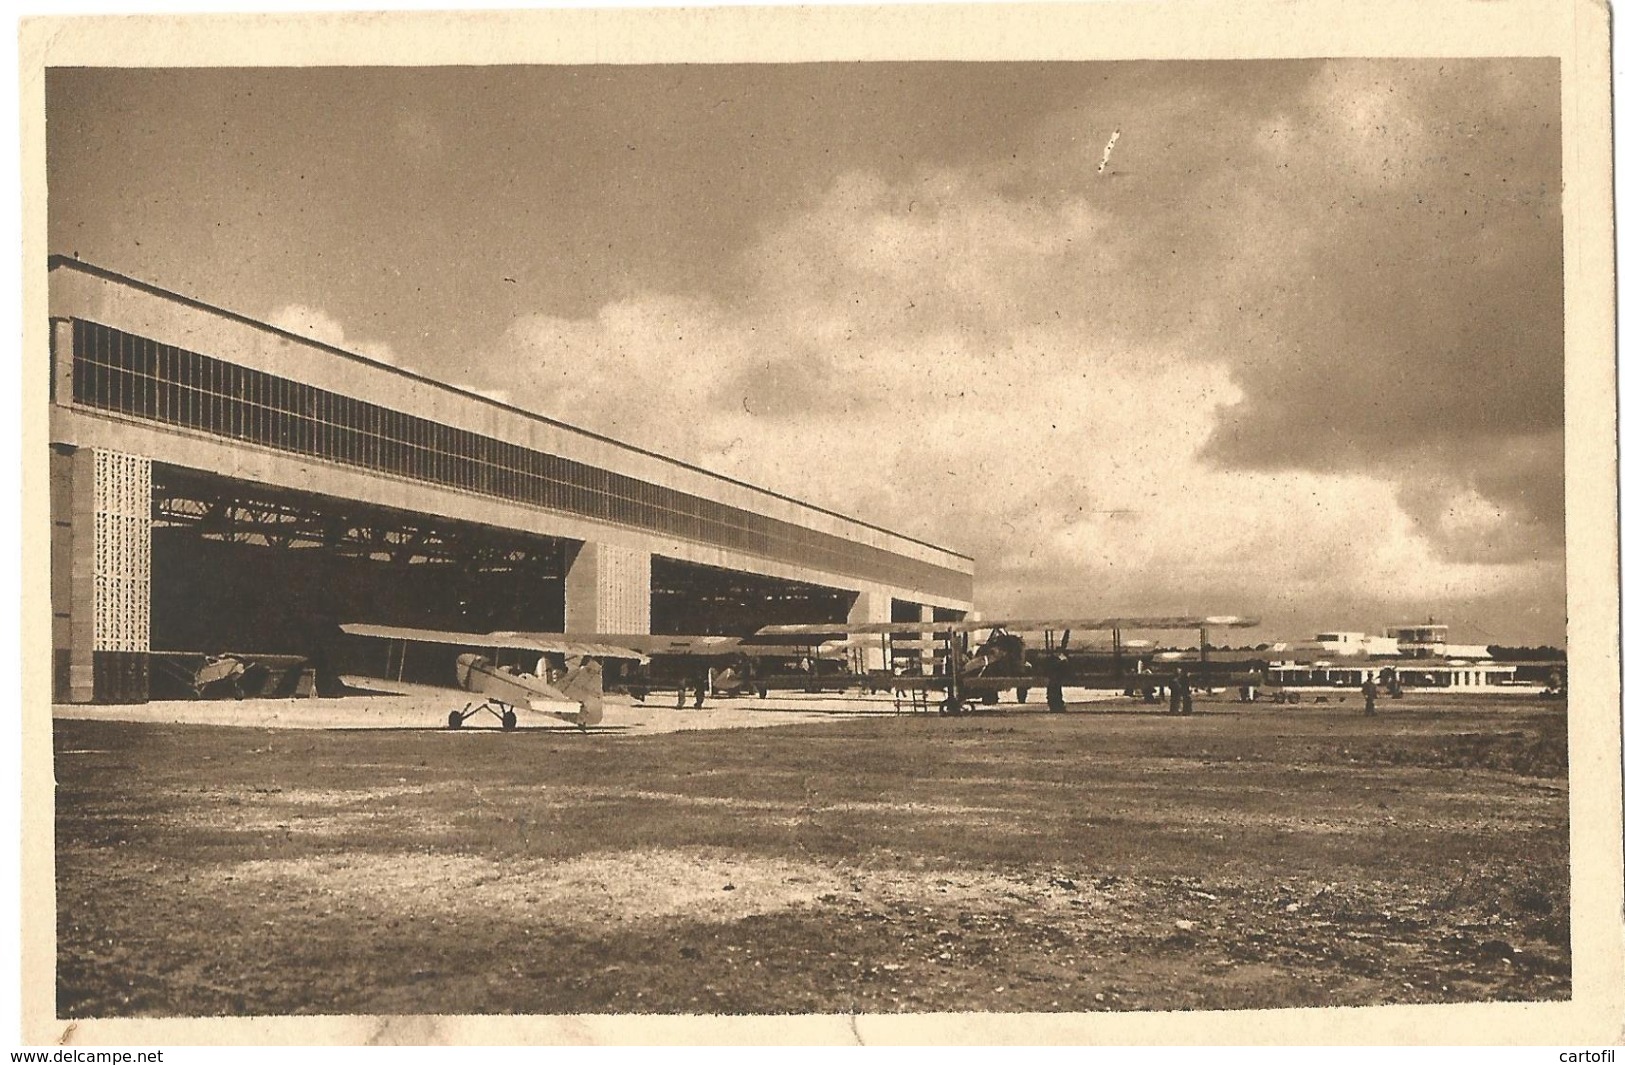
x: 219, y: 484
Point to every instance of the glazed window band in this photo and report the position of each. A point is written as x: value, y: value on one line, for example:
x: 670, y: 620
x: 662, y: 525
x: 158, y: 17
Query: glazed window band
x: 132, y: 375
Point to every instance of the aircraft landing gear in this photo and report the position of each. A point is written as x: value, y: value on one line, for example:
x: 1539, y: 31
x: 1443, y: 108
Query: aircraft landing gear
x: 1021, y: 695
x: 458, y: 718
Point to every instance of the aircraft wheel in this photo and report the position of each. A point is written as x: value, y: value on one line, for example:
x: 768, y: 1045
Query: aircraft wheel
x: 1021, y: 695
x: 510, y: 720
x: 454, y: 719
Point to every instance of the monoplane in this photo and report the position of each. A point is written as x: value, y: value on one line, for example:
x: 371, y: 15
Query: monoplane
x: 705, y: 665
x: 701, y: 664
x: 575, y: 696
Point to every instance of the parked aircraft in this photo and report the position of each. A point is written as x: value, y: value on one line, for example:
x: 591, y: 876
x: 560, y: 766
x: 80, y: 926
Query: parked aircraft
x: 701, y: 664
x: 1000, y: 661
x: 577, y: 697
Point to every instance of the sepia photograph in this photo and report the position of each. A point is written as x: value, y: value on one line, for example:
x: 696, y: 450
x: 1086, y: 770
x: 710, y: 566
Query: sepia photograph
x: 747, y: 531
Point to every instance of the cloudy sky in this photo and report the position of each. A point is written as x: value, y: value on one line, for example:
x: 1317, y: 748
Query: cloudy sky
x: 1296, y: 350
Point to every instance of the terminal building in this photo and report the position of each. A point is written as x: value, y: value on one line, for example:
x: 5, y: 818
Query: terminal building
x: 1401, y: 641
x: 1414, y: 655
x: 218, y: 484
x: 1447, y: 674
x: 1432, y: 640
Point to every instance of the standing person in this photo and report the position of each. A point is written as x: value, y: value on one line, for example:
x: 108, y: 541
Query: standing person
x: 1173, y: 692
x: 1369, y: 690
x: 323, y: 636
x: 1052, y: 691
x: 1185, y: 690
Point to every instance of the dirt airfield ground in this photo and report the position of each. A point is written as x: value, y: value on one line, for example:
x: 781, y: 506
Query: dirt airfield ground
x: 322, y: 859
x: 392, y: 704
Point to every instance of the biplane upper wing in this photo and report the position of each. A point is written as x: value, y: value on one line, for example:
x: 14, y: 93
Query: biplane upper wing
x: 1104, y: 624
x: 694, y: 646
x: 541, y: 642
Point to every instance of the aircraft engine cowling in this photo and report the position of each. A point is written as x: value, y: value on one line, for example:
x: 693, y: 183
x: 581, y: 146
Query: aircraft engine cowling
x: 1002, y: 648
x: 469, y: 668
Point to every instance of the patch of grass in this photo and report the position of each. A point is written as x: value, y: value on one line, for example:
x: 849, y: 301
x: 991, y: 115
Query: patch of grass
x: 1538, y: 750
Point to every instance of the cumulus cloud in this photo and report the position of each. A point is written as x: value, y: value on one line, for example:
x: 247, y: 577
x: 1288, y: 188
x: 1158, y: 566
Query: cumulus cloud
x: 1414, y: 322
x: 1296, y: 349
x: 1108, y: 404
x: 317, y: 324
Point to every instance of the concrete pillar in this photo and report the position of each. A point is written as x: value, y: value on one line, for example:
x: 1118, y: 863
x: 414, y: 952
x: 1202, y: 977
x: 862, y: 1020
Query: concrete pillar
x: 72, y: 576
x: 101, y: 575
x: 928, y: 653
x: 62, y: 361
x: 871, y: 607
x: 606, y: 590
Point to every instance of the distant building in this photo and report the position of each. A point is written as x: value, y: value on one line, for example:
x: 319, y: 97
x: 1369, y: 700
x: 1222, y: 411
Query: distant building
x: 1432, y: 641
x: 1420, y: 655
x: 1357, y: 643
x: 1450, y: 674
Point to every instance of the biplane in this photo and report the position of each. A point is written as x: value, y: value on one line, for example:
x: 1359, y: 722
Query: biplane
x: 978, y: 673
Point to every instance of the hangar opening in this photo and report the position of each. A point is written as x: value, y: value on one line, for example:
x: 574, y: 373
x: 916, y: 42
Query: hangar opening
x: 691, y: 599
x: 250, y: 568
x: 246, y: 568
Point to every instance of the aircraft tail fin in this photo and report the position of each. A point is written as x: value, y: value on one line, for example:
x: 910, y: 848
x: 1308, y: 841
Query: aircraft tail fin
x: 584, y: 684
